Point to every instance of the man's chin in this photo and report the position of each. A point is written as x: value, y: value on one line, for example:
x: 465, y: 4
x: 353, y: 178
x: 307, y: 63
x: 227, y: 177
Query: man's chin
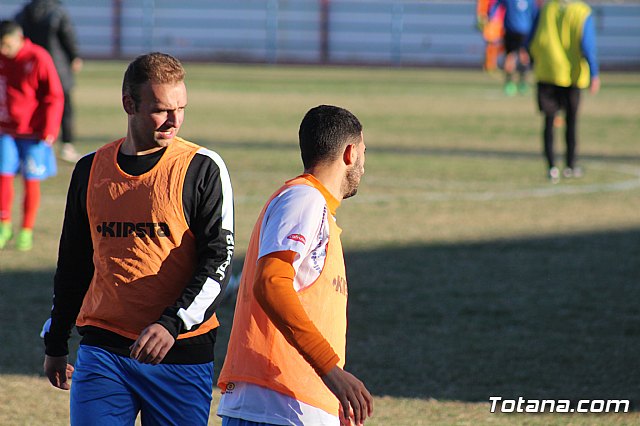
x: 350, y: 194
x: 163, y: 141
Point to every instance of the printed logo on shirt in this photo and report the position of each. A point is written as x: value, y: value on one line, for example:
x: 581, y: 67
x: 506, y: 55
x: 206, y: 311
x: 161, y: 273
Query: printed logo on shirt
x: 28, y: 67
x: 222, y: 269
x: 317, y: 257
x: 33, y: 169
x: 340, y: 285
x: 129, y: 229
x: 522, y: 5
x: 298, y: 237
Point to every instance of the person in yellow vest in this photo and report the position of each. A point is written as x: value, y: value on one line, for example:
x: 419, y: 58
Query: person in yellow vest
x: 144, y: 257
x: 284, y: 363
x: 563, y: 48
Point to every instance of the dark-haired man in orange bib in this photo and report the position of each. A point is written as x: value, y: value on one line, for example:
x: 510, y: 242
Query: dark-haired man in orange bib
x: 287, y: 346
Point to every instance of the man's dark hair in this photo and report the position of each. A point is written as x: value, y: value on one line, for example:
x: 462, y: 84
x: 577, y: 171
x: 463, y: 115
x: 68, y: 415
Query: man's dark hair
x: 324, y: 132
x: 156, y: 67
x: 8, y: 27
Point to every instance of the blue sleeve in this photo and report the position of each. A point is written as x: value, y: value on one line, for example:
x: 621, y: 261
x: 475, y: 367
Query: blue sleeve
x: 535, y: 9
x: 588, y: 46
x: 532, y: 15
x: 534, y: 27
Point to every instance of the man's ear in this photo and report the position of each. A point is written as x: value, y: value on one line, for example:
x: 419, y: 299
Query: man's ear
x: 350, y: 155
x: 128, y: 104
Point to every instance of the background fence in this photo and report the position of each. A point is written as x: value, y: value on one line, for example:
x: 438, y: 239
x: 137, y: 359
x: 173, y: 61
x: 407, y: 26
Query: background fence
x: 384, y: 32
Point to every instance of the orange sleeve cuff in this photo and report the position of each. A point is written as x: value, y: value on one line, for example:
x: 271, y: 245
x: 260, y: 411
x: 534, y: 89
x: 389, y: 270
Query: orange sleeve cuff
x: 274, y: 292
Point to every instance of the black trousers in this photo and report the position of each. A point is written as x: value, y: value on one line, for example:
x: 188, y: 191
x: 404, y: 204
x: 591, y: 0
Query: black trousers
x: 551, y: 99
x: 66, y: 127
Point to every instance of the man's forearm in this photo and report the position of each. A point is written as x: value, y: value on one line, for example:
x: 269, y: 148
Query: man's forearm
x: 274, y: 292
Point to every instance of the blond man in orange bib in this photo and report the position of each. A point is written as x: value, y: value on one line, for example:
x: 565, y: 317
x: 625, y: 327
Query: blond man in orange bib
x: 144, y: 257
x: 287, y: 346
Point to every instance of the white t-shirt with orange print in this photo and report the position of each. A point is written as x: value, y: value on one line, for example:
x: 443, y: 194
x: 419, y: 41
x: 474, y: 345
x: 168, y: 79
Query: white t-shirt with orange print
x: 295, y: 220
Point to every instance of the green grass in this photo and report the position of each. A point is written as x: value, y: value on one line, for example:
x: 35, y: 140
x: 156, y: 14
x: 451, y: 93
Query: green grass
x: 470, y: 275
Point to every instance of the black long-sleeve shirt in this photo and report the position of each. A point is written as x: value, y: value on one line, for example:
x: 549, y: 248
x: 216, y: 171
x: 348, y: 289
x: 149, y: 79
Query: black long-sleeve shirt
x: 206, y: 196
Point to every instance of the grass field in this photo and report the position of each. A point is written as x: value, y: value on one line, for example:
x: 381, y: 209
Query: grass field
x: 470, y: 275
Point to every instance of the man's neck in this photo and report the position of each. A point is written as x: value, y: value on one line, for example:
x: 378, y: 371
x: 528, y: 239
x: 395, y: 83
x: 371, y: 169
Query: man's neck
x: 129, y: 147
x: 330, y: 177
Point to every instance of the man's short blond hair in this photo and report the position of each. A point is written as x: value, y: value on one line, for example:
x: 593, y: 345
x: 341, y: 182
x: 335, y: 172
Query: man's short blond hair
x: 155, y: 67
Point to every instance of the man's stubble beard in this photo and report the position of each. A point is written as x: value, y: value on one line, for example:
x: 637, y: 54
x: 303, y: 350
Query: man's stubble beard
x: 352, y: 180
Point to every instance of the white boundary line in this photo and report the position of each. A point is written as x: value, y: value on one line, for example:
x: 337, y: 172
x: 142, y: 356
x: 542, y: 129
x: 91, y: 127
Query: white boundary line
x: 548, y: 190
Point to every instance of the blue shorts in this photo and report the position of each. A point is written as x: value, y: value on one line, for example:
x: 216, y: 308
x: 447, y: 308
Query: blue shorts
x: 108, y: 389
x: 34, y: 159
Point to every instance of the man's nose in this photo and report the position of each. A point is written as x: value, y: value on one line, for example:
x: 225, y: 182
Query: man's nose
x: 172, y: 118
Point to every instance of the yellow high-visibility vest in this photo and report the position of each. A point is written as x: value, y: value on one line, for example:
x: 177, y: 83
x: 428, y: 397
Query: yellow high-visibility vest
x: 556, y: 45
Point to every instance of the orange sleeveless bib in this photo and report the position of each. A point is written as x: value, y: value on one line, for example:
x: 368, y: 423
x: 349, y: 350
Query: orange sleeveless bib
x: 258, y: 353
x: 144, y: 253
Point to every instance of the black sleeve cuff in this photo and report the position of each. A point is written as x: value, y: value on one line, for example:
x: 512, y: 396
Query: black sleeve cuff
x: 171, y: 322
x: 55, y: 347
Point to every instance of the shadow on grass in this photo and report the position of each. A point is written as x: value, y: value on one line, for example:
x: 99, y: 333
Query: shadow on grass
x: 25, y: 303
x: 548, y: 317
x: 536, y: 317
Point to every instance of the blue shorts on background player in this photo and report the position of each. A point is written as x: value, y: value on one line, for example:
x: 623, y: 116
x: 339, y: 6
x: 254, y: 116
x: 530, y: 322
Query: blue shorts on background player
x: 35, y: 161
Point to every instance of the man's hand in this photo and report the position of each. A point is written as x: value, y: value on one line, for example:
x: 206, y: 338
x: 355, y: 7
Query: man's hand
x: 49, y: 139
x: 595, y: 85
x: 355, y: 400
x: 76, y: 65
x: 152, y: 345
x: 58, y: 371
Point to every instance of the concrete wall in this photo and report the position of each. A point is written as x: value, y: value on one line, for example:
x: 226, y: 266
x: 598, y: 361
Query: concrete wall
x: 388, y: 32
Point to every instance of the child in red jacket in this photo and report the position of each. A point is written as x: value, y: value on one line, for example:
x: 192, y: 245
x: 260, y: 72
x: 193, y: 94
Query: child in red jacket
x: 31, y: 104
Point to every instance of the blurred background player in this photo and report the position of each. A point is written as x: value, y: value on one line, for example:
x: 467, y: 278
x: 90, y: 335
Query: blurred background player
x: 47, y: 23
x: 565, y: 61
x: 31, y: 103
x: 492, y: 32
x: 518, y: 22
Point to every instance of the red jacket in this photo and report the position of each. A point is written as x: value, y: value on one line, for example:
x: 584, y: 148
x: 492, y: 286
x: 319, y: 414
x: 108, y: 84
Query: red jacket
x: 31, y: 97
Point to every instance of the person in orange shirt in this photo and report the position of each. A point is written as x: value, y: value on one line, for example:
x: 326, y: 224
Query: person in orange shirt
x: 492, y: 32
x: 284, y: 363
